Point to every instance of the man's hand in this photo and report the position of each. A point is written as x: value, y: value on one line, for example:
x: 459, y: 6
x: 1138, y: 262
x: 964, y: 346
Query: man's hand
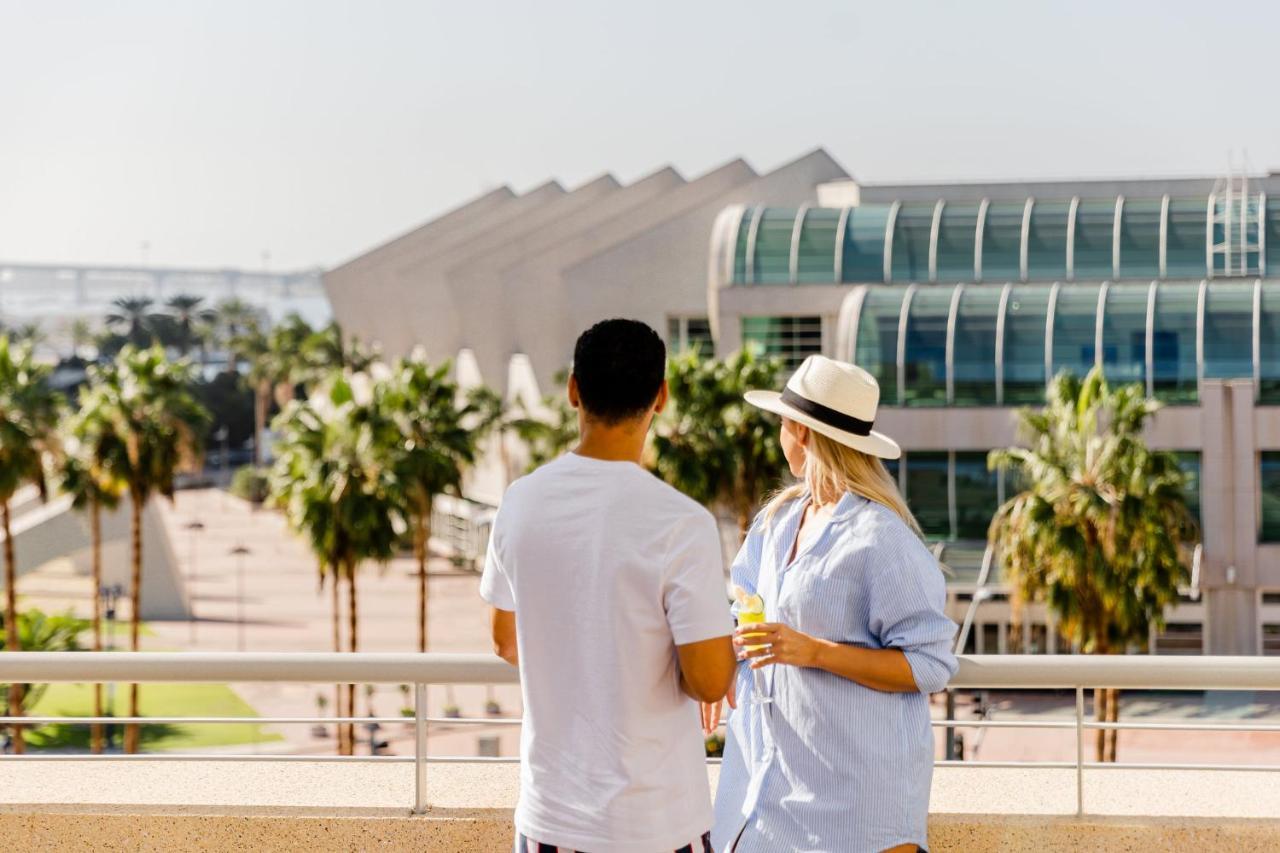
x: 711, y: 711
x: 502, y: 624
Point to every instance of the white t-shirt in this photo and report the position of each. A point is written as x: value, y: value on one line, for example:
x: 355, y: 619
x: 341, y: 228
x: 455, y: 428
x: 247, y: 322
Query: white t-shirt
x: 608, y: 569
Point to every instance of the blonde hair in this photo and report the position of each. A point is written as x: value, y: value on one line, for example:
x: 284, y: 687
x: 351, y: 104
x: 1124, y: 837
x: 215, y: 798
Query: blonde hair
x: 831, y: 469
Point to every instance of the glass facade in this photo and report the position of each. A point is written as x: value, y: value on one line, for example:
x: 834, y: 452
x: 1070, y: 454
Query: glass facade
x: 1228, y: 330
x: 927, y: 492
x: 974, y: 351
x: 976, y: 491
x: 1173, y: 343
x: 1105, y: 238
x: 1124, y: 333
x: 685, y: 333
x: 793, y: 339
x: 1269, y: 345
x: 1269, y: 478
x: 952, y: 494
x: 1024, y: 339
x: 876, y: 349
x: 1075, y: 329
x: 926, y: 350
x: 1189, y: 462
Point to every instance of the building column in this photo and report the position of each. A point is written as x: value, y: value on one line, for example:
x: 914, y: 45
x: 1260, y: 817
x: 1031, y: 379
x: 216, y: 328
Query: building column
x: 1229, y: 523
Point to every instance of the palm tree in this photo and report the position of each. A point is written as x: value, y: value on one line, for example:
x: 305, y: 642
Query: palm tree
x: 148, y: 404
x: 188, y: 317
x: 709, y: 443
x: 276, y: 363
x: 1101, y: 532
x: 438, y: 440
x: 28, y: 412
x: 89, y: 474
x: 546, y: 431
x: 336, y: 480
x: 132, y: 317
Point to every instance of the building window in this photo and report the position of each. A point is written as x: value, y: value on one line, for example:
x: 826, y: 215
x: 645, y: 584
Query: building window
x: 877, y: 348
x: 977, y: 495
x: 685, y: 333
x: 1269, y: 479
x: 1189, y: 462
x: 927, y: 492
x: 793, y: 339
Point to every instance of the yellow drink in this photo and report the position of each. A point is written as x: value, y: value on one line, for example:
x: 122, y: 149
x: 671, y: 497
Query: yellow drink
x: 751, y: 617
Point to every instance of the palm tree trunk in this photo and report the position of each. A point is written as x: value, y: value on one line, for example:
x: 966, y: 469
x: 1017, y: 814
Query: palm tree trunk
x: 420, y: 536
x: 131, y: 733
x: 95, y: 556
x: 1113, y: 716
x: 352, y: 624
x: 260, y: 403
x: 1100, y: 714
x: 337, y: 647
x: 13, y: 642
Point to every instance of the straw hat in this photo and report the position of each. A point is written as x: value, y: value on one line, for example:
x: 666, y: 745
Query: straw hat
x: 835, y: 399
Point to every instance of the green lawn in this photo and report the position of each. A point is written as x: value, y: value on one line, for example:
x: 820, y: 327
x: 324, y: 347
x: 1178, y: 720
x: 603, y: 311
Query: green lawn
x: 157, y: 700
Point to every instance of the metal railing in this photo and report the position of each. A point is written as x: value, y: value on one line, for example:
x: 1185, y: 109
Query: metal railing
x: 986, y: 672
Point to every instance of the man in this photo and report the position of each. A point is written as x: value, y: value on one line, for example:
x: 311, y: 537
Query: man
x: 607, y: 588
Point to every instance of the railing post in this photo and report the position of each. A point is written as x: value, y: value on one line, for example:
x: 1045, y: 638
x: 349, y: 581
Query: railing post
x: 1079, y: 751
x: 419, y: 748
x: 951, y: 730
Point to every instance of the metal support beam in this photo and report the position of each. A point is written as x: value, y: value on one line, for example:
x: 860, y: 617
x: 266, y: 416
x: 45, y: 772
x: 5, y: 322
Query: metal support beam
x: 1164, y: 236
x: 889, y: 226
x: 793, y: 265
x: 1072, y: 210
x: 934, y: 230
x: 842, y: 228
x: 753, y: 231
x: 952, y: 314
x: 902, y: 343
x: 979, y: 230
x: 1002, y: 312
x: 1048, y: 332
x: 1024, y: 253
x: 1116, y: 231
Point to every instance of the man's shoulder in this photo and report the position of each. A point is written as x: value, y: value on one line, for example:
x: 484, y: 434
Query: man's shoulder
x: 675, y: 504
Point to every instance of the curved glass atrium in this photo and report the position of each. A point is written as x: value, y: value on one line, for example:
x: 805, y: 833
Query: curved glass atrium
x: 1074, y: 239
x: 998, y: 344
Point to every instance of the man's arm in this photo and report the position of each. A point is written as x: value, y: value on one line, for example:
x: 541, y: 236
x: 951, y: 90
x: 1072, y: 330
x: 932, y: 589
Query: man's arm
x: 706, y: 668
x: 502, y: 625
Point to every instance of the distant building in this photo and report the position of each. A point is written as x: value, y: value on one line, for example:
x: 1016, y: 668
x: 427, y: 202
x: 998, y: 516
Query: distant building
x: 53, y: 296
x: 963, y: 300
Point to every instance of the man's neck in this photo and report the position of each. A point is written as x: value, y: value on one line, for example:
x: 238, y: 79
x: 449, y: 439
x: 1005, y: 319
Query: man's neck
x: 621, y: 443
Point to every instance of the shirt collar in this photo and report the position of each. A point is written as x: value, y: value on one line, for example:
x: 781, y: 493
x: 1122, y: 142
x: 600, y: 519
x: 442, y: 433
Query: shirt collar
x: 847, y: 506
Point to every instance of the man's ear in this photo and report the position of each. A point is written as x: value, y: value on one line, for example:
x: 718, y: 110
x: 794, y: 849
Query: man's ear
x: 574, y: 400
x: 664, y: 395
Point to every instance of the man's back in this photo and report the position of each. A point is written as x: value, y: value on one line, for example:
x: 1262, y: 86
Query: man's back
x: 607, y: 570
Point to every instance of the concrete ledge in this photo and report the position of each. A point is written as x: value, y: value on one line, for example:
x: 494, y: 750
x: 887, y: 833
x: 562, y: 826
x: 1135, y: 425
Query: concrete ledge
x: 325, y: 805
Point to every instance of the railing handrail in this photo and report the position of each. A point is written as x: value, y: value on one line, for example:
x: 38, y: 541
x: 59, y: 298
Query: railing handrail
x: 1139, y: 672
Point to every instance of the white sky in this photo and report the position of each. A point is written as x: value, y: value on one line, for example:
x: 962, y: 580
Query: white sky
x: 315, y: 129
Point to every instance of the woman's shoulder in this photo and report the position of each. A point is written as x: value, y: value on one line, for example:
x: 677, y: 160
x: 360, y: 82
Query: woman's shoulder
x: 876, y: 528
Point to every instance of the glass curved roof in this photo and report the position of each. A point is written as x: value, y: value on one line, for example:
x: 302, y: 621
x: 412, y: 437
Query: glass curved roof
x: 999, y: 344
x: 1076, y: 239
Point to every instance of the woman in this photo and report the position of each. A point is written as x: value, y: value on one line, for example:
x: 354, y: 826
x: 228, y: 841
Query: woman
x: 830, y: 748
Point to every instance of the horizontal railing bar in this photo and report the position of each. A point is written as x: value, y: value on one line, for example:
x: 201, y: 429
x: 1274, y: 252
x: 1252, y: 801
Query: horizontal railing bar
x: 1002, y: 724
x: 198, y: 756
x: 1106, y: 765
x: 1030, y: 764
x: 1188, y: 727
x: 1042, y: 672
x: 89, y: 721
x: 219, y: 667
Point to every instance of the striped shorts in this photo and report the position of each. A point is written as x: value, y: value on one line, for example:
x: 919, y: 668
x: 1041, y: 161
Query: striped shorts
x: 524, y: 845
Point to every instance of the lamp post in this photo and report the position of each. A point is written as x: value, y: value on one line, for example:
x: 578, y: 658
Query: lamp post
x: 110, y: 595
x: 240, y: 551
x: 194, y: 527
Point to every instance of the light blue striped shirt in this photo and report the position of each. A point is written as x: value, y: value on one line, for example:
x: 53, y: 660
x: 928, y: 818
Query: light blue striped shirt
x: 831, y: 765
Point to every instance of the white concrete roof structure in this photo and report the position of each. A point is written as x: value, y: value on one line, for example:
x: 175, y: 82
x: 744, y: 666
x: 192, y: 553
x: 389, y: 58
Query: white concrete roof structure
x: 507, y: 275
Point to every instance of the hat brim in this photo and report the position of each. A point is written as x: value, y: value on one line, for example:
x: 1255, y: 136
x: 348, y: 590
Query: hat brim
x: 875, y: 444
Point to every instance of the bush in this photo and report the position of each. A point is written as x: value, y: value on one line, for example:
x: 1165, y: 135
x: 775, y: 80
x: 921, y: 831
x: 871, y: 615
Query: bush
x: 250, y: 483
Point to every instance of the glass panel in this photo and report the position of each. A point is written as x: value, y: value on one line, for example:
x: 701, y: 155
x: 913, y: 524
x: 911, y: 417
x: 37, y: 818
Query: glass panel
x: 1270, y: 480
x: 1185, y: 243
x: 1075, y: 329
x: 911, y: 233
x: 956, y: 237
x: 1124, y: 334
x: 773, y: 246
x: 927, y: 492
x: 790, y: 338
x: 876, y: 350
x: 1002, y: 242
x: 740, y: 247
x: 863, y: 259
x: 698, y: 334
x: 974, y: 355
x: 815, y: 255
x: 1047, y: 240
x: 1228, y: 331
x: 1095, y: 220
x: 1174, y: 343
x: 1272, y: 232
x: 1140, y: 238
x: 976, y: 499
x: 1024, y: 333
x: 1269, y: 338
x: 926, y: 352
x: 1189, y: 462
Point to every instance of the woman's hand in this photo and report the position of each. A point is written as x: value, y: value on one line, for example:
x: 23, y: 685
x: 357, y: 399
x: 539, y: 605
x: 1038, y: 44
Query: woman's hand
x: 777, y: 643
x: 712, y: 711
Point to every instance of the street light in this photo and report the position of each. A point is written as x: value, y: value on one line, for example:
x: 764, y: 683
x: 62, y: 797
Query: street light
x: 194, y: 526
x: 240, y: 551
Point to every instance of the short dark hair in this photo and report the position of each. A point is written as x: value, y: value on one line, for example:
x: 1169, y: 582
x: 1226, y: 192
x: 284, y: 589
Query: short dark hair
x: 619, y: 365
